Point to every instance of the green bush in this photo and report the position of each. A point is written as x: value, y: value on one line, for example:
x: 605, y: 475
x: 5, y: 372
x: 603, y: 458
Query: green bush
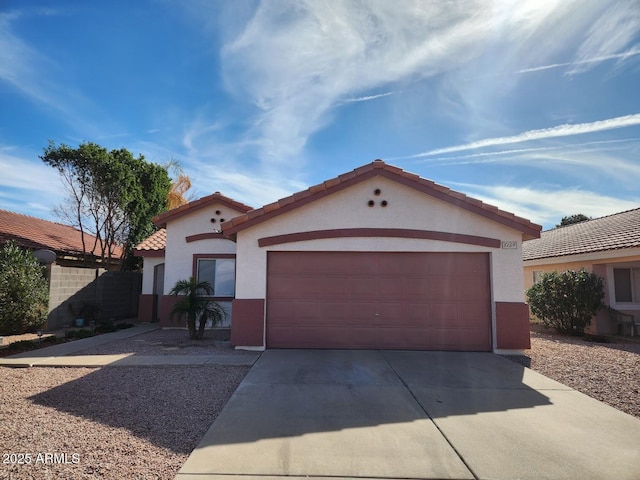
x: 566, y: 301
x: 24, y: 291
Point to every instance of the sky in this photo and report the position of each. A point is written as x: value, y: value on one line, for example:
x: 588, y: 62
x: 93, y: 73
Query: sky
x: 529, y: 105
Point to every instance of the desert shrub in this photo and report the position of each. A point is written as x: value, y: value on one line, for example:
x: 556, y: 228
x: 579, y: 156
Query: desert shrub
x: 78, y: 334
x: 24, y: 291
x: 567, y: 300
x: 105, y: 326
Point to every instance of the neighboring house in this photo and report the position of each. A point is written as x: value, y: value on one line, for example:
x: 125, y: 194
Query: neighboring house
x: 375, y: 258
x: 38, y: 234
x: 607, y: 246
x: 76, y: 280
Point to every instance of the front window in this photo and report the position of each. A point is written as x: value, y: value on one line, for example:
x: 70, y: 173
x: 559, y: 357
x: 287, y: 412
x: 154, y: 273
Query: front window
x: 537, y: 275
x: 220, y: 273
x: 627, y: 285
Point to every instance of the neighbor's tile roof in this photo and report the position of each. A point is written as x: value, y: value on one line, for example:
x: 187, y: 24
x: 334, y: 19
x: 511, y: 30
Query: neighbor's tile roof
x: 36, y: 233
x: 378, y: 167
x: 162, y: 219
x: 613, y: 232
x: 155, y: 243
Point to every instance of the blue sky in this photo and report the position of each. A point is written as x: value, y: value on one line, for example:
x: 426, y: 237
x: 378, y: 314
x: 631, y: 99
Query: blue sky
x: 532, y: 106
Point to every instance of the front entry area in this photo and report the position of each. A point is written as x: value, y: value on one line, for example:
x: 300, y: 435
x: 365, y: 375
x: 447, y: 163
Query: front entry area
x: 379, y: 300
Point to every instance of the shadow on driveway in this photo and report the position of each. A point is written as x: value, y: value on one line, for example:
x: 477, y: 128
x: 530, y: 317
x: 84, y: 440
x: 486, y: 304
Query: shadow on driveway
x: 400, y: 414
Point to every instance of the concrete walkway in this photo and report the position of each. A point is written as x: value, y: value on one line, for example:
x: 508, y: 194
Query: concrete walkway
x: 62, y: 355
x: 427, y: 415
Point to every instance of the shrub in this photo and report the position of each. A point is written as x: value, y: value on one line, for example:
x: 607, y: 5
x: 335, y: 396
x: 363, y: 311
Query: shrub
x: 78, y: 334
x: 24, y: 291
x: 195, y: 305
x: 105, y: 326
x: 567, y: 301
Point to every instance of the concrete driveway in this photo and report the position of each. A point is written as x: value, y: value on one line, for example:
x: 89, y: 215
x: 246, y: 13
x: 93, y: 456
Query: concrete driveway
x: 392, y: 414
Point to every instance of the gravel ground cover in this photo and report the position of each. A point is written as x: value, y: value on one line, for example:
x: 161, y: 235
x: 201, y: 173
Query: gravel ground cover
x: 609, y: 372
x: 108, y: 423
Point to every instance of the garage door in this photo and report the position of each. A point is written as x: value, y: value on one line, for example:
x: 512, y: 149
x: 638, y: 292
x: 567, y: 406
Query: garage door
x: 426, y: 301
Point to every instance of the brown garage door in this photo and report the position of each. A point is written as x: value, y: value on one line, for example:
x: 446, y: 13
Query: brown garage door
x: 431, y: 301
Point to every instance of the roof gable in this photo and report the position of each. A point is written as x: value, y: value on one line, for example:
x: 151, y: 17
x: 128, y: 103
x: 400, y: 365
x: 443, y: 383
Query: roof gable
x: 613, y: 232
x: 380, y: 168
x: 164, y: 218
x: 36, y: 233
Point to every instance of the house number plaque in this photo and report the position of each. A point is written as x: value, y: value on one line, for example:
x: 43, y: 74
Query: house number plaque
x: 509, y: 244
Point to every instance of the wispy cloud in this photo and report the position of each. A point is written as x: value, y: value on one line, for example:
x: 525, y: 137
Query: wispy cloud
x: 22, y: 176
x: 547, y: 206
x: 580, y: 63
x: 544, y: 133
x: 473, y: 158
x: 609, y: 35
x: 367, y: 98
x: 295, y: 61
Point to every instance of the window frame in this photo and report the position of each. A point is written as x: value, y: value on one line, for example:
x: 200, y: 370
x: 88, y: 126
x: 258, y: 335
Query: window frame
x: 536, y: 276
x: 634, y: 285
x: 216, y: 256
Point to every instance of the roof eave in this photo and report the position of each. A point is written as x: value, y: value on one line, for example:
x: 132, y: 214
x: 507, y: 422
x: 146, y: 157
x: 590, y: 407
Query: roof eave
x: 161, y: 220
x: 378, y: 168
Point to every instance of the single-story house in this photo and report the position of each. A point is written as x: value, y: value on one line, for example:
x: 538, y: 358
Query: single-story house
x: 607, y: 246
x: 375, y: 258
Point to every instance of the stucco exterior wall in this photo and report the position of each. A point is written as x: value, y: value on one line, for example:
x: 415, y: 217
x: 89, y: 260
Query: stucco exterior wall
x: 558, y: 267
x: 149, y: 263
x: 179, y: 253
x: 406, y: 209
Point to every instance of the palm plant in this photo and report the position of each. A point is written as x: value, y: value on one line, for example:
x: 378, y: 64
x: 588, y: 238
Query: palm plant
x: 196, y: 306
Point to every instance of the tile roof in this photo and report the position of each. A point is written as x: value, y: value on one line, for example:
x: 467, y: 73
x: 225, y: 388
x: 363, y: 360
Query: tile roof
x: 36, y: 233
x: 154, y: 243
x: 378, y: 167
x: 613, y: 232
x: 162, y: 219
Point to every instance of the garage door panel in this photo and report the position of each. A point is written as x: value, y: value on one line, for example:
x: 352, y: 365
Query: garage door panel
x: 443, y: 262
x: 416, y: 314
x: 360, y: 313
x: 473, y: 313
x: 442, y: 289
x: 470, y: 264
x: 321, y: 287
x: 357, y: 265
x: 363, y: 287
x: 415, y: 288
x: 473, y: 292
x: 438, y: 301
x: 389, y: 288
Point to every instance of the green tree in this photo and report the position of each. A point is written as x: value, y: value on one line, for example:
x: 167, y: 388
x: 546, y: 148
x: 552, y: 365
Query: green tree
x: 571, y: 219
x: 568, y: 300
x: 195, y: 306
x: 24, y: 291
x: 110, y: 194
